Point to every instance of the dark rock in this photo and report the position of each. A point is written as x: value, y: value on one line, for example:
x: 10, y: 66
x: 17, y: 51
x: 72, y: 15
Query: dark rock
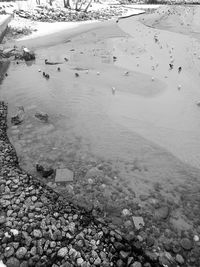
x: 42, y: 116
x: 28, y: 55
x: 44, y: 172
x: 16, y: 119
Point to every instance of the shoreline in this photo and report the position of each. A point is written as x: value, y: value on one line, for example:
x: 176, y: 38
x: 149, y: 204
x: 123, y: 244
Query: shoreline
x: 143, y: 216
x: 45, y: 204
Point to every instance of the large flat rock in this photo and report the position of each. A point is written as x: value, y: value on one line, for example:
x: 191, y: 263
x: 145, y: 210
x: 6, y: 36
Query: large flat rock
x: 64, y: 176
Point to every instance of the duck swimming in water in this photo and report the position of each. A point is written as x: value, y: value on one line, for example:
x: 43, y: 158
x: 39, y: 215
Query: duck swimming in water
x: 76, y: 74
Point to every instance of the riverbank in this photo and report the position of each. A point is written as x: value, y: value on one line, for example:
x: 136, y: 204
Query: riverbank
x: 129, y: 179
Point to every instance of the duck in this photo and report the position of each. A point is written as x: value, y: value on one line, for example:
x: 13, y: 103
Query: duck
x: 76, y: 74
x: 113, y: 90
x: 58, y: 69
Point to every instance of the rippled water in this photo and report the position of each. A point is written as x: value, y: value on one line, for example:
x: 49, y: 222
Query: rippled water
x: 87, y: 122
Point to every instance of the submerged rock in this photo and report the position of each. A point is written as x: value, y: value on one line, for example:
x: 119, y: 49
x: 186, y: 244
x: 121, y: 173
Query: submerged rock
x: 64, y: 175
x: 42, y: 116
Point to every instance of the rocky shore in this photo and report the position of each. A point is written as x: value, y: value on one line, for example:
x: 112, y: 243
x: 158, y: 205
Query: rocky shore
x: 40, y: 228
x: 50, y: 14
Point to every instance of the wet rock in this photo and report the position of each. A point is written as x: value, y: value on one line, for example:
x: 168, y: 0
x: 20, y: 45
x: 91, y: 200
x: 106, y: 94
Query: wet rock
x: 16, y: 119
x: 64, y: 175
x: 44, y: 172
x: 180, y: 259
x: 138, y: 222
x: 162, y: 213
x: 94, y: 173
x: 28, y: 55
x: 186, y: 244
x: 13, y: 262
x: 42, y: 116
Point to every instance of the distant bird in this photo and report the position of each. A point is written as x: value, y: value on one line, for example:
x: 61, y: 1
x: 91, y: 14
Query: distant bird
x: 39, y: 70
x: 114, y: 58
x: 44, y: 74
x: 98, y: 73
x: 17, y: 62
x: 6, y: 74
x: 179, y: 87
x: 152, y: 78
x: 58, y: 69
x: 66, y: 59
x: 179, y: 69
x: 113, y: 90
x: 171, y: 66
x: 76, y: 74
x: 126, y: 73
x: 47, y: 76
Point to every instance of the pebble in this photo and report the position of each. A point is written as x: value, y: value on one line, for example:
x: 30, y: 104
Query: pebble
x: 21, y: 252
x: 13, y: 262
x: 62, y: 252
x: 186, y: 244
x: 37, y: 233
x: 180, y: 259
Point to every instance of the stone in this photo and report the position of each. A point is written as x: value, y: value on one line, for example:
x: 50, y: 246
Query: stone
x: 21, y: 252
x: 162, y: 213
x: 120, y: 263
x: 62, y: 252
x: 138, y: 222
x: 28, y: 55
x: 2, y: 219
x: 37, y: 233
x: 9, y: 251
x: 124, y: 255
x: 97, y: 262
x: 42, y: 116
x: 126, y: 212
x: 79, y: 261
x: 64, y: 175
x: 180, y: 259
x: 13, y: 262
x: 94, y: 173
x: 186, y: 244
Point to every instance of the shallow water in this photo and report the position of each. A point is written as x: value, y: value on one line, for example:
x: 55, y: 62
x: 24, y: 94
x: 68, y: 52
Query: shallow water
x: 89, y: 123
